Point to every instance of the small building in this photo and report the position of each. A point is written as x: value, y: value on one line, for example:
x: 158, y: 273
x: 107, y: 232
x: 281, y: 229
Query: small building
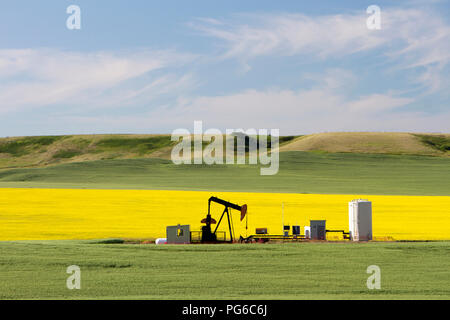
x: 178, y: 234
x: 318, y: 229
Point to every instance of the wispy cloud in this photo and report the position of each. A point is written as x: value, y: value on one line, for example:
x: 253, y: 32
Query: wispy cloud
x: 291, y: 34
x: 294, y: 112
x: 376, y: 102
x: 419, y: 32
x: 412, y: 38
x: 323, y: 107
x: 40, y: 77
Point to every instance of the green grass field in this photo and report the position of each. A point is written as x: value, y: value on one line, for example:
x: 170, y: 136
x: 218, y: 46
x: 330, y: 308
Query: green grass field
x: 299, y: 172
x: 37, y: 270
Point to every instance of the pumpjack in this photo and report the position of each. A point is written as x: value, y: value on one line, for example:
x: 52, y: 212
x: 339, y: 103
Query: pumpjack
x: 209, y: 236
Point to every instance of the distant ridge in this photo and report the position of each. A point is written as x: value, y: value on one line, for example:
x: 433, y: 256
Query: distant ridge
x: 373, y: 142
x: 39, y: 151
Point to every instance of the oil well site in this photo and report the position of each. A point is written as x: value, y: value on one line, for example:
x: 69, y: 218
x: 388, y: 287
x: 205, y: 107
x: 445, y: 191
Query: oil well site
x: 359, y: 227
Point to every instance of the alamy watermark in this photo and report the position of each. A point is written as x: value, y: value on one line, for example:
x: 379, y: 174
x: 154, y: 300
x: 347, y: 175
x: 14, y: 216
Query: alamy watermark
x: 373, y: 22
x: 241, y: 147
x: 74, y: 280
x: 374, y: 281
x: 73, y: 22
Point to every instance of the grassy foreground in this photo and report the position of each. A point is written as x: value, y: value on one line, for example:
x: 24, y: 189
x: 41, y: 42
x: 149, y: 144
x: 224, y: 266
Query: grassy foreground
x: 299, y: 172
x: 37, y: 270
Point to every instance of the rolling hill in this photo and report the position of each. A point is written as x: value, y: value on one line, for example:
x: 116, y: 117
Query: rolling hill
x: 373, y: 142
x: 17, y: 152
x: 39, y: 151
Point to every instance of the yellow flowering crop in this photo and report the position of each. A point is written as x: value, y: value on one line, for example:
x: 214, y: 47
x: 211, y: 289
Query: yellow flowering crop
x: 28, y: 214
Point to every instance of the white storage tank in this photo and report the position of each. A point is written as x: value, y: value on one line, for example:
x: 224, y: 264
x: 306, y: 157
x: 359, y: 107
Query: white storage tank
x: 161, y: 241
x: 307, y: 232
x: 360, y: 220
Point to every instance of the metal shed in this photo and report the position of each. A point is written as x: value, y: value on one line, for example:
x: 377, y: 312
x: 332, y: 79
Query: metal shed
x: 178, y: 234
x: 318, y: 229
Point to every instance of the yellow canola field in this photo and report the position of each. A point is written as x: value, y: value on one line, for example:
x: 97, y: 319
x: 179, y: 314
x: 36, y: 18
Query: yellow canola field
x: 39, y: 214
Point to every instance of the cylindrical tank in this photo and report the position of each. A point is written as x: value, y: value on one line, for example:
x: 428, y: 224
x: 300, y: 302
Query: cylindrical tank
x: 307, y: 232
x: 161, y: 241
x: 360, y: 220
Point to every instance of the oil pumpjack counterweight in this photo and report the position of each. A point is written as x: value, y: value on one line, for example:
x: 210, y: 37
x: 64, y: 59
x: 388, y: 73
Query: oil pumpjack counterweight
x: 210, y: 236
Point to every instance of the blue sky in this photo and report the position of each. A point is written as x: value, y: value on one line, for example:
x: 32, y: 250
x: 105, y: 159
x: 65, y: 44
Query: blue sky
x: 155, y: 66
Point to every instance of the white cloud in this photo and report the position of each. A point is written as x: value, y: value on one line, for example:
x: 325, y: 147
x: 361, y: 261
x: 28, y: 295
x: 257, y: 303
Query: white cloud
x: 334, y: 78
x: 291, y: 34
x: 411, y: 38
x: 377, y: 102
x: 41, y: 77
x: 324, y: 107
x: 413, y: 30
x: 293, y: 112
